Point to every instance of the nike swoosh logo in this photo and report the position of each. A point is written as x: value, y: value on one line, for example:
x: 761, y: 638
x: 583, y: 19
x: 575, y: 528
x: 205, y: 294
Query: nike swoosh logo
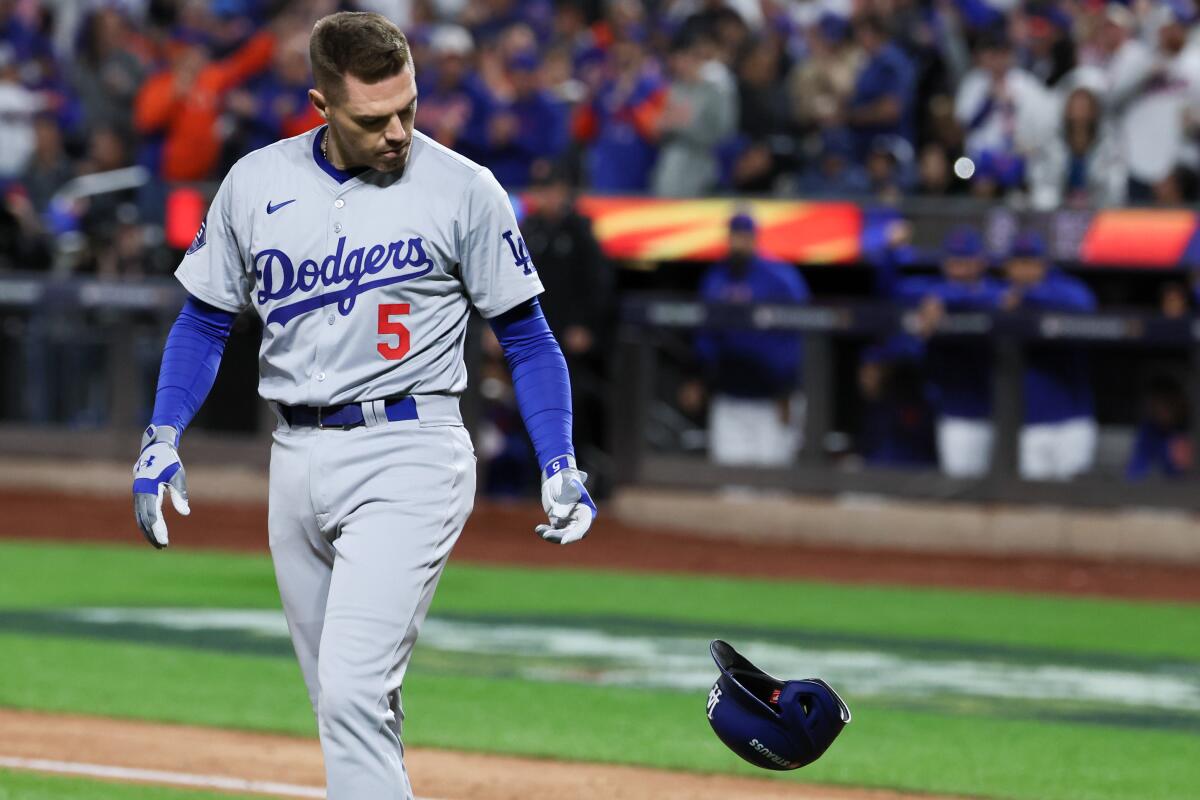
x: 272, y: 209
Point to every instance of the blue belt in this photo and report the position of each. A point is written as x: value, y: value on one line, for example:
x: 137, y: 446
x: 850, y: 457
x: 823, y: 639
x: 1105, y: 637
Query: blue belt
x: 346, y: 415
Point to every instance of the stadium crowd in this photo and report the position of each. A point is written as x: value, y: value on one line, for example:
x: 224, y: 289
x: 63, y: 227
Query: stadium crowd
x: 1043, y: 103
x: 1040, y: 105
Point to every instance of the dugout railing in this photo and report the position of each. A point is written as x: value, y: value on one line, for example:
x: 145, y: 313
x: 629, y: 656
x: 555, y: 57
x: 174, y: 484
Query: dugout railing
x: 79, y: 356
x: 652, y: 326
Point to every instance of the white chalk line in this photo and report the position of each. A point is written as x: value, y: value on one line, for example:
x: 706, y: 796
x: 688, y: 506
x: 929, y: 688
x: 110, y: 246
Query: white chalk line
x: 218, y: 782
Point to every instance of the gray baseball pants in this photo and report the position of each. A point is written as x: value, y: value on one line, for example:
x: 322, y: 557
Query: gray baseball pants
x: 361, y: 524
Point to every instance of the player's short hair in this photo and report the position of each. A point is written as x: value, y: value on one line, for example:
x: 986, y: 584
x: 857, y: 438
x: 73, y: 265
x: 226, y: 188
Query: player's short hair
x: 366, y: 45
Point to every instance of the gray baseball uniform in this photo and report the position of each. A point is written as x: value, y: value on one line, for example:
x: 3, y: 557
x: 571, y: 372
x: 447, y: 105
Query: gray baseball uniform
x: 364, y: 284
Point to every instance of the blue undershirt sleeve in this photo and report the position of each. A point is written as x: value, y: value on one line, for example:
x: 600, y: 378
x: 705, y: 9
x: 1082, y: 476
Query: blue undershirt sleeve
x: 190, y: 361
x: 540, y: 379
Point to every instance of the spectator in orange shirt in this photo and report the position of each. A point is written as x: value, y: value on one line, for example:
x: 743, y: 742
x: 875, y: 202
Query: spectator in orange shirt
x: 183, y: 104
x: 275, y: 105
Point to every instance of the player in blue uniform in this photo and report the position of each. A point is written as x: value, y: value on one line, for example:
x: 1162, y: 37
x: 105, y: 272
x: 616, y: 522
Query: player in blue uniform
x: 1058, y: 439
x: 752, y: 376
x: 958, y: 371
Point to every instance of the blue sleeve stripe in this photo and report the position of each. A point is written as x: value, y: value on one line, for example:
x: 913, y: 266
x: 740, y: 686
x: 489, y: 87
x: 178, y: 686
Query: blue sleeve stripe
x: 190, y: 361
x: 540, y: 378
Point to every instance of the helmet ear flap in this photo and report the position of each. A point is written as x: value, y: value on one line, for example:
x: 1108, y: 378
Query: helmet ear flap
x: 814, y: 714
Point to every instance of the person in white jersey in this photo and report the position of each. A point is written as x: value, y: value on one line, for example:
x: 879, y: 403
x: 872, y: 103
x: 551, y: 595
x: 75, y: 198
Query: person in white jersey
x: 362, y: 245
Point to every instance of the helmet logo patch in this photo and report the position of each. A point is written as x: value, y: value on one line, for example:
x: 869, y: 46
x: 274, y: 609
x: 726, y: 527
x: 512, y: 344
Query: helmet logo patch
x: 714, y: 697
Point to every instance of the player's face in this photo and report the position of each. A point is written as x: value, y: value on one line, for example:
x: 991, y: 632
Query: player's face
x: 373, y: 122
x: 965, y: 270
x: 742, y: 245
x: 1026, y: 271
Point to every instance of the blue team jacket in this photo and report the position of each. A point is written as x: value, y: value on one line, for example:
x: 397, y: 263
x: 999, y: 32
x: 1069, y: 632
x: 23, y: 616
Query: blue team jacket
x: 959, y: 371
x: 1057, y: 381
x: 1153, y: 453
x: 752, y: 363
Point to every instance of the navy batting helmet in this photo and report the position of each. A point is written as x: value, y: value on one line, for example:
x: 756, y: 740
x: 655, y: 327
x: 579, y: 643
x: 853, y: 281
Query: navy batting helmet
x: 771, y: 723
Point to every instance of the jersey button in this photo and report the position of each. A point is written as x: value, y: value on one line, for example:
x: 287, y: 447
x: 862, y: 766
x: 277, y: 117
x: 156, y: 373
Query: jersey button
x: 320, y: 376
x: 339, y: 202
x: 331, y: 319
x: 337, y: 227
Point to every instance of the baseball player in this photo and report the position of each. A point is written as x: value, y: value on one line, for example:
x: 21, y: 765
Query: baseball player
x: 1058, y: 438
x: 958, y: 372
x: 755, y: 415
x: 362, y: 245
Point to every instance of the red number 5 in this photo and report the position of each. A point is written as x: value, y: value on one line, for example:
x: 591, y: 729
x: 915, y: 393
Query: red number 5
x: 389, y: 328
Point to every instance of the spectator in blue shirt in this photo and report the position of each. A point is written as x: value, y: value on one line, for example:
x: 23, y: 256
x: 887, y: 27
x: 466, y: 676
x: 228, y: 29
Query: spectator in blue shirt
x: 881, y: 104
x: 490, y: 20
x: 752, y: 376
x: 512, y: 128
x: 1163, y: 445
x: 447, y: 102
x: 1058, y: 439
x: 28, y: 44
x: 620, y: 123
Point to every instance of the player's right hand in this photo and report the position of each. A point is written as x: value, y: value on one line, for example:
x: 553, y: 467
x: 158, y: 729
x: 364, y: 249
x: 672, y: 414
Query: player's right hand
x: 158, y: 470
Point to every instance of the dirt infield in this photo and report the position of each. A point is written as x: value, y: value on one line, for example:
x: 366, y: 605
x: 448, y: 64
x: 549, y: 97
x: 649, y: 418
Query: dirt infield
x: 211, y: 753
x: 502, y: 534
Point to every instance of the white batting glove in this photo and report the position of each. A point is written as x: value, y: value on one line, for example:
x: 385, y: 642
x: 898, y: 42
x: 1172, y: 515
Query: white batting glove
x: 566, y: 501
x: 157, y: 470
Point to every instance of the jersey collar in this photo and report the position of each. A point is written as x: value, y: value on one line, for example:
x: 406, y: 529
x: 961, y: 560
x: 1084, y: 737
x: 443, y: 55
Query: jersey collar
x: 339, y: 175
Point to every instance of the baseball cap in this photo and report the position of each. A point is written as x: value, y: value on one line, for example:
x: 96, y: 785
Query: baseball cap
x: 524, y: 61
x: 451, y: 40
x: 963, y: 243
x: 226, y: 9
x: 833, y: 27
x: 1121, y: 16
x: 742, y: 223
x: 1028, y: 244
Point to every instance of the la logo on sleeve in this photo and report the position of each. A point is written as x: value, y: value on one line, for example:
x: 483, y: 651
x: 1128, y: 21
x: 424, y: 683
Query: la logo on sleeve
x: 519, y: 252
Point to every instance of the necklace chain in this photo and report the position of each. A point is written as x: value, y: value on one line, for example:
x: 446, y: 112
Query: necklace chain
x: 325, y: 145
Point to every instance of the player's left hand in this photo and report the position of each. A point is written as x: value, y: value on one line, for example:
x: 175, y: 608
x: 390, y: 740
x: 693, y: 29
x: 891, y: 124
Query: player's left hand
x: 568, y: 506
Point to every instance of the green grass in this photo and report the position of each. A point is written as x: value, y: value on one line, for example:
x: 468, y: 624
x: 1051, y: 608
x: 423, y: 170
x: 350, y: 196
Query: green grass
x: 48, y: 576
x: 69, y: 575
x: 888, y: 747
x: 31, y: 786
x: 1002, y: 757
x: 166, y: 684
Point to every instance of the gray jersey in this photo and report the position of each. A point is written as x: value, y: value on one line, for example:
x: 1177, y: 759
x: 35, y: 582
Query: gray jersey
x: 364, y: 283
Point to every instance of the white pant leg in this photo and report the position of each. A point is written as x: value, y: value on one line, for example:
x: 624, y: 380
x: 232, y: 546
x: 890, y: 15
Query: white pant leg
x: 751, y: 431
x: 964, y: 446
x: 392, y: 501
x: 1037, y: 458
x: 302, y: 557
x: 1058, y: 451
x: 1077, y: 440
